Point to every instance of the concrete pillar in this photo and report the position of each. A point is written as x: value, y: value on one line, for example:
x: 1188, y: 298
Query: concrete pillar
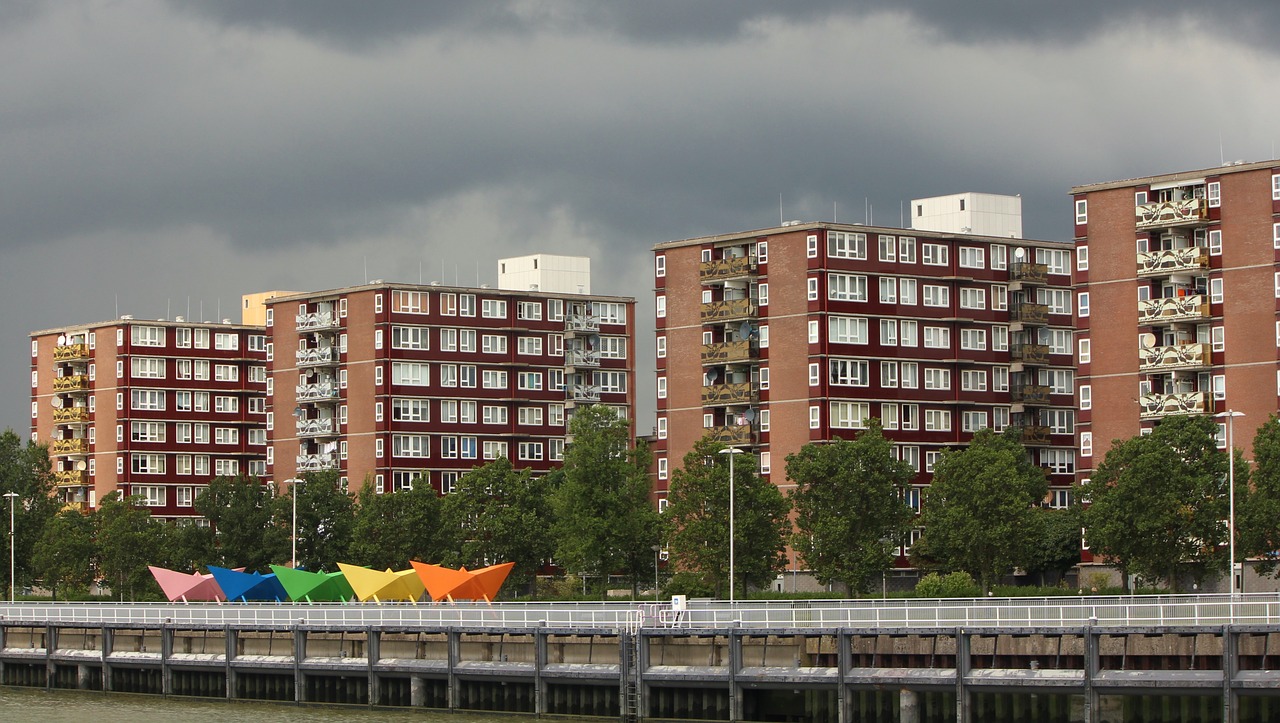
x: 963, y: 665
x: 844, y: 662
x: 417, y: 692
x: 735, y: 665
x: 642, y: 661
x: 83, y: 677
x: 1091, y: 665
x: 908, y: 706
x: 1230, y: 663
x: 50, y: 645
x: 229, y: 641
x: 453, y: 693
x: 299, y: 652
x: 108, y: 640
x: 372, y: 654
x: 166, y: 650
x: 539, y: 662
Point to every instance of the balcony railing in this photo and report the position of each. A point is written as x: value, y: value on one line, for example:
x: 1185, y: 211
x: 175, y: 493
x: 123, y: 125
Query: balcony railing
x: 1178, y: 356
x: 71, y: 384
x: 584, y: 392
x: 728, y: 352
x: 1030, y: 353
x: 71, y: 478
x: 71, y: 352
x: 723, y: 394
x: 1031, y: 394
x: 1028, y: 272
x: 734, y: 434
x: 1029, y: 313
x: 581, y: 358
x: 729, y: 310
x: 1172, y: 261
x: 69, y: 446
x: 721, y: 269
x: 70, y: 415
x: 317, y: 462
x: 316, y: 427
x: 1163, y: 214
x: 1034, y: 434
x: 319, y: 392
x: 318, y: 321
x: 319, y: 356
x: 1154, y: 406
x: 582, y: 322
x: 1173, y: 308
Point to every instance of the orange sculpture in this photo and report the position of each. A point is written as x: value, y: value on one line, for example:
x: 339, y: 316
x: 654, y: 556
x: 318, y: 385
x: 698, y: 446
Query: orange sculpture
x: 443, y: 583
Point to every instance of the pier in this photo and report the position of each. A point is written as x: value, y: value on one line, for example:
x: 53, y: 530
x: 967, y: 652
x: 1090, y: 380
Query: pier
x: 1175, y: 658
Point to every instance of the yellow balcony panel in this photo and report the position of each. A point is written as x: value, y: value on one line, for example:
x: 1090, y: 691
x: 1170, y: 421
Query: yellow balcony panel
x: 317, y: 427
x: 577, y: 322
x: 1033, y: 434
x: 326, y: 391
x: 727, y: 394
x: 1030, y: 353
x: 71, y: 415
x: 78, y: 506
x: 1031, y: 394
x: 1178, y: 356
x: 319, y: 356
x: 728, y: 352
x: 69, y: 446
x: 317, y: 462
x: 1173, y: 261
x: 1028, y: 272
x: 71, y: 478
x: 78, y: 382
x: 581, y: 358
x: 735, y: 434
x: 731, y: 310
x: 1174, y: 308
x: 71, y: 352
x: 1029, y: 313
x: 1167, y: 214
x: 722, y: 269
x: 584, y: 392
x: 1155, y: 406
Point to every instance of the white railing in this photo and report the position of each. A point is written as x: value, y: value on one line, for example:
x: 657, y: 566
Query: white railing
x: 317, y: 462
x: 320, y: 391
x: 315, y: 427
x: 585, y: 392
x: 317, y: 320
x: 319, y: 355
x: 581, y: 358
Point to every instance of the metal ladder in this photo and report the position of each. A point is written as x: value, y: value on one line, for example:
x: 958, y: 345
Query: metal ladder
x: 631, y: 681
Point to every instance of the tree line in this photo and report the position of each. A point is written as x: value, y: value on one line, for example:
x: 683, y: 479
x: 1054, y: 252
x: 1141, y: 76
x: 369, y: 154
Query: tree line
x: 1157, y: 507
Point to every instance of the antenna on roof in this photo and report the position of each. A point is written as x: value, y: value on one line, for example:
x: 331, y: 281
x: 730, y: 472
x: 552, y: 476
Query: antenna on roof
x: 780, y: 216
x: 366, y: 269
x: 117, y: 306
x: 835, y: 212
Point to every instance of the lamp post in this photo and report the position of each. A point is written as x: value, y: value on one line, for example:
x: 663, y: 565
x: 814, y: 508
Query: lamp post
x: 1230, y: 415
x: 293, y: 538
x: 12, y: 496
x: 656, y: 549
x: 732, y: 452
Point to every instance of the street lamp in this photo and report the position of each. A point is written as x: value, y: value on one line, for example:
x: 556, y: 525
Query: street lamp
x: 293, y: 538
x: 732, y: 452
x: 1230, y: 415
x: 12, y: 496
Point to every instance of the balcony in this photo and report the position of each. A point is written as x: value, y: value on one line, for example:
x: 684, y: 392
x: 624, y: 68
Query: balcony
x: 1029, y: 313
x: 1155, y: 406
x: 1170, y: 358
x: 581, y: 322
x: 71, y: 352
x: 729, y: 352
x: 319, y: 392
x: 731, y: 310
x: 1166, y: 214
x: 1027, y: 272
x: 317, y: 427
x: 583, y: 392
x: 1033, y: 394
x: 737, y: 435
x: 318, y: 357
x: 1029, y: 353
x: 71, y: 478
x: 317, y: 462
x: 318, y: 321
x: 1173, y: 308
x: 1189, y: 259
x: 719, y: 395
x: 69, y: 446
x: 581, y: 358
x: 76, y: 383
x: 71, y: 415
x: 730, y: 268
x: 1032, y: 434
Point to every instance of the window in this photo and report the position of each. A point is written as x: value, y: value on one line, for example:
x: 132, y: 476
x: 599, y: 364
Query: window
x: 409, y: 302
x: 907, y: 292
x: 888, y: 332
x: 908, y: 333
x: 1086, y: 397
x: 494, y: 379
x: 933, y: 254
x: 200, y: 432
x: 999, y: 257
x: 1215, y: 291
x: 846, y: 245
x: 467, y: 376
x: 1059, y: 381
x: 493, y: 344
x: 226, y: 435
x: 811, y: 247
x: 938, y: 379
x: 142, y: 367
x: 973, y: 380
x: 937, y: 337
x: 1213, y: 191
x: 226, y: 342
x: 1217, y: 336
x: 1086, y: 444
x: 150, y: 495
x: 448, y: 304
x: 972, y: 258
x: 527, y: 416
x: 147, y: 432
x: 410, y: 445
x: 415, y: 374
x: 1058, y: 300
x: 659, y: 266
x: 148, y: 335
x: 147, y: 463
x: 182, y: 338
x: 529, y: 345
x: 911, y: 455
x: 888, y: 248
x: 493, y: 309
x: 147, y: 399
x: 910, y: 375
x: 906, y: 250
x: 449, y: 411
x: 1082, y: 304
x: 258, y: 436
x: 610, y: 312
x: 201, y: 337
x: 999, y: 379
x: 973, y: 339
x: 762, y: 296
x: 1082, y: 258
x: 611, y: 382
x: 555, y: 415
x: 850, y: 372
x: 1058, y: 461
x: 815, y: 375
x: 226, y: 372
x: 410, y: 337
x: 973, y: 421
x: 532, y: 310
x: 410, y: 410
x: 846, y: 287
x: 889, y: 415
x: 764, y: 377
x: 888, y: 374
x: 1083, y: 354
x: 972, y: 298
x: 492, y: 449
x: 200, y: 464
x: 529, y: 450
x: 466, y: 304
x: 226, y: 467
x: 847, y: 330
x: 1059, y: 421
x: 662, y: 387
x: 937, y: 420
x: 258, y: 374
x: 999, y: 297
x: 1057, y: 260
x: 812, y: 289
x: 850, y: 415
x: 1082, y: 211
x: 529, y: 381
x: 662, y: 347
x: 888, y: 290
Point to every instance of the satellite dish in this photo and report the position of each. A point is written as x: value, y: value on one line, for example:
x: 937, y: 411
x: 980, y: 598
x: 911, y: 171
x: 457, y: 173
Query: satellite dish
x: 1019, y: 253
x: 1147, y: 340
x: 749, y: 415
x: 713, y: 374
x: 744, y: 330
x: 62, y: 340
x: 81, y: 465
x: 57, y: 402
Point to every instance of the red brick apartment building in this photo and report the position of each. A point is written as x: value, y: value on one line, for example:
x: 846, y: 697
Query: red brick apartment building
x: 775, y: 338
x: 149, y: 408
x: 396, y: 383
x: 1178, y: 266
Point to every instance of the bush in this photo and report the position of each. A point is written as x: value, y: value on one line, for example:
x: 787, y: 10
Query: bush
x: 689, y: 584
x: 956, y: 584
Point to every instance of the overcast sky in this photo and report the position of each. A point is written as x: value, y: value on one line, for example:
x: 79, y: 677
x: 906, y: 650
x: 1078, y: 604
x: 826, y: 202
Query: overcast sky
x: 162, y: 158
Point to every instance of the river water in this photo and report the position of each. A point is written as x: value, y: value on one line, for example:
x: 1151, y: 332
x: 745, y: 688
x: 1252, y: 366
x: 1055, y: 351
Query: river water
x: 68, y: 706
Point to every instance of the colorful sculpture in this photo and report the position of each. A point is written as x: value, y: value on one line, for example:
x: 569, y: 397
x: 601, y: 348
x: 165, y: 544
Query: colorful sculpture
x: 246, y: 586
x: 187, y: 587
x: 383, y: 586
x: 447, y: 584
x: 304, y: 586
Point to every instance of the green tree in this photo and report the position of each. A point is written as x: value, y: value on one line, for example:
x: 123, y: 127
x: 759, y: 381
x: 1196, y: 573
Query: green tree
x: 851, y: 510
x: 698, y: 521
x: 326, y: 516
x: 1258, y: 504
x: 25, y: 470
x: 604, y: 520
x: 65, y: 554
x: 1055, y: 549
x: 501, y: 514
x: 391, y: 529
x: 978, y: 513
x: 127, y: 542
x: 1157, y: 501
x: 246, y: 531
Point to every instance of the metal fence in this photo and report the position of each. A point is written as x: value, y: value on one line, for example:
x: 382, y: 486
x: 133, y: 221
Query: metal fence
x: 1147, y: 611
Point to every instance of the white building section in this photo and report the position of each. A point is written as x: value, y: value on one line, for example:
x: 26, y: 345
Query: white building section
x: 982, y: 214
x: 546, y: 273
